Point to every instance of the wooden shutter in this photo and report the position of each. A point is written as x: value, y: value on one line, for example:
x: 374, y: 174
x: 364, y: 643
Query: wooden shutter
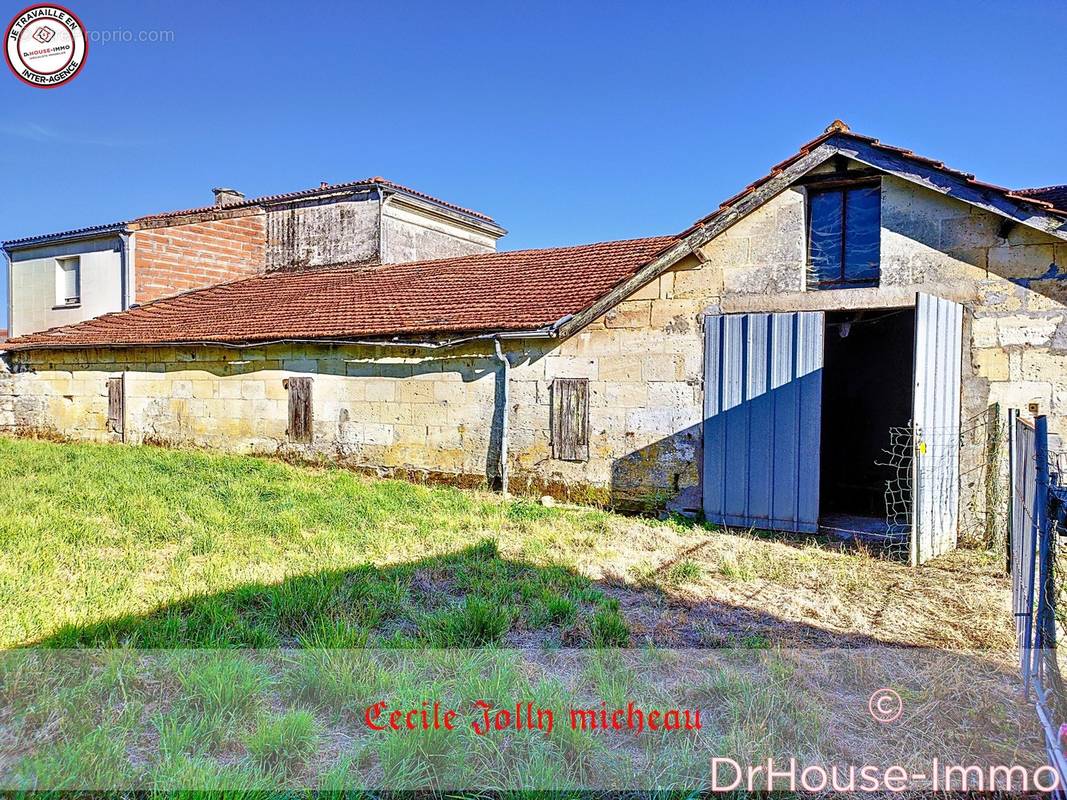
x: 116, y: 402
x: 300, y: 416
x: 570, y: 419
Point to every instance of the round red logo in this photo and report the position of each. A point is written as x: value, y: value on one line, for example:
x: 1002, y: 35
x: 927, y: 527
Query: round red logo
x: 46, y: 45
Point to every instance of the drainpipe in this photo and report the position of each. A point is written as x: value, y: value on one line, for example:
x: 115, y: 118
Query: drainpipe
x: 506, y: 366
x: 10, y: 292
x: 124, y: 266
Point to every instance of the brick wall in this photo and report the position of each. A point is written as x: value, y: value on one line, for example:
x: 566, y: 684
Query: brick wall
x: 190, y: 255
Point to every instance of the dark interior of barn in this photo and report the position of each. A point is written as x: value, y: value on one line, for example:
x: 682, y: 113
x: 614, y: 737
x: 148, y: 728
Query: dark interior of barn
x: 866, y: 392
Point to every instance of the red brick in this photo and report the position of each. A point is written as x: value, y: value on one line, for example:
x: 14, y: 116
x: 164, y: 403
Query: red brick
x: 176, y: 258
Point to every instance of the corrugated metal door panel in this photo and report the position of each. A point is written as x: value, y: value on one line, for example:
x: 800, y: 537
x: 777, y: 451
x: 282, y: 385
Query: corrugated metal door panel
x: 811, y: 327
x: 936, y: 411
x: 787, y: 414
x: 714, y: 421
x: 735, y: 459
x: 762, y: 416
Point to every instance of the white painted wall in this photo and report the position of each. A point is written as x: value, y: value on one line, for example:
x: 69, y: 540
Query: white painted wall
x: 411, y: 232
x: 33, y: 285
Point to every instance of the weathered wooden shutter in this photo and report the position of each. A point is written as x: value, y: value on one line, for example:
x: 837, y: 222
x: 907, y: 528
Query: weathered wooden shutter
x: 300, y: 416
x: 570, y: 419
x: 116, y: 402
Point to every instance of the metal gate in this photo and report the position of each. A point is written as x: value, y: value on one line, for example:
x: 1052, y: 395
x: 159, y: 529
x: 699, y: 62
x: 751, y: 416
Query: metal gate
x: 1038, y: 519
x: 762, y: 420
x: 936, y: 414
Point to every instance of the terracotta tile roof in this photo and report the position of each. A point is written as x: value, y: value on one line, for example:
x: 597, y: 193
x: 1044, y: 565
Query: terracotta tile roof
x: 1057, y: 195
x: 327, y: 188
x: 521, y: 290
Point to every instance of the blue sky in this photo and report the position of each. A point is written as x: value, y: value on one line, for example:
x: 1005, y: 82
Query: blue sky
x: 567, y: 122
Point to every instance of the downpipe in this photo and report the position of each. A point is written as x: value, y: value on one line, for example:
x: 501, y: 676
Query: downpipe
x: 506, y: 367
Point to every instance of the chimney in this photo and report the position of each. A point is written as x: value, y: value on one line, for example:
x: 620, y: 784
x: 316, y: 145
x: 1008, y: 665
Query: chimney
x: 227, y: 197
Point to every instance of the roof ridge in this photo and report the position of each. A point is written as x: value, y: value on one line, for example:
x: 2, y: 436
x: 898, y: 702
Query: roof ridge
x: 838, y: 128
x: 323, y: 188
x: 1036, y: 189
x: 368, y: 268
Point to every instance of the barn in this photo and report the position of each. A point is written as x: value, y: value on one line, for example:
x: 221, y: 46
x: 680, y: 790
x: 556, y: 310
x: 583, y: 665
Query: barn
x: 831, y: 349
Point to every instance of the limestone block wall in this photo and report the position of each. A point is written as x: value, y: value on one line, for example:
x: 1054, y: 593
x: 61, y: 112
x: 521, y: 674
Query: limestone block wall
x: 321, y: 231
x: 644, y: 363
x: 407, y: 412
x: 371, y: 408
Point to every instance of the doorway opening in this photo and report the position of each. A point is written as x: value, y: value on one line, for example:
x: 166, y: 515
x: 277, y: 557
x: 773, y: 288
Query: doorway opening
x: 866, y: 393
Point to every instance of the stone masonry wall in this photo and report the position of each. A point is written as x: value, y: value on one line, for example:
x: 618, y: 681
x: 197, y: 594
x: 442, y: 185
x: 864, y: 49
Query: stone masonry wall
x: 323, y: 231
x: 408, y: 412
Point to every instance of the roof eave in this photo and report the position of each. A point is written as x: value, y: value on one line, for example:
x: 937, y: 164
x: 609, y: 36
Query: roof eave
x: 937, y: 177
x: 75, y: 235
x: 472, y: 220
x: 540, y: 332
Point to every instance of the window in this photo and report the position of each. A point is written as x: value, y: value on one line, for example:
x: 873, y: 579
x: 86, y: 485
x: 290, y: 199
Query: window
x: 844, y: 228
x: 300, y: 416
x: 68, y: 281
x: 570, y: 419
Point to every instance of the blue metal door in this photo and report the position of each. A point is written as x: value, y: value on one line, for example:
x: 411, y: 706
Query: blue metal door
x: 762, y: 420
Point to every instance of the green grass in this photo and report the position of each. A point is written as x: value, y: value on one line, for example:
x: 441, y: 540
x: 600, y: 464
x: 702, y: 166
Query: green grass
x: 154, y: 548
x: 150, y: 548
x: 284, y: 743
x: 685, y: 571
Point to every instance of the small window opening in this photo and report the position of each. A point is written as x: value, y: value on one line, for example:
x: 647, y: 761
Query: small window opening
x: 300, y: 410
x: 570, y: 419
x: 68, y: 281
x: 844, y: 232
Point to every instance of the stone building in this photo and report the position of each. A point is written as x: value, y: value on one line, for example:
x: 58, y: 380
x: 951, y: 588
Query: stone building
x: 756, y: 365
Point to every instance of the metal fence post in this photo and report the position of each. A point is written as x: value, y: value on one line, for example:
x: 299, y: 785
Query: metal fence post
x: 1031, y: 572
x: 1042, y: 543
x: 1013, y: 415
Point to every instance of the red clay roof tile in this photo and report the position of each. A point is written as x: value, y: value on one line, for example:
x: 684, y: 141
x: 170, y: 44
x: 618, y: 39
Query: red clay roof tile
x: 521, y: 290
x: 1056, y: 195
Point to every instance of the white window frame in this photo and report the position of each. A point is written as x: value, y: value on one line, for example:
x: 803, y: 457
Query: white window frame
x: 64, y: 265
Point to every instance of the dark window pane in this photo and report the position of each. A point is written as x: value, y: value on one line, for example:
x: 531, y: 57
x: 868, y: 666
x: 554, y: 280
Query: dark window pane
x: 862, y: 232
x: 825, y: 236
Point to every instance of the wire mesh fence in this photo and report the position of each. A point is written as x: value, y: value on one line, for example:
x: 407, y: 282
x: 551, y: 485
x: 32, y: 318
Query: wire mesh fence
x: 980, y: 481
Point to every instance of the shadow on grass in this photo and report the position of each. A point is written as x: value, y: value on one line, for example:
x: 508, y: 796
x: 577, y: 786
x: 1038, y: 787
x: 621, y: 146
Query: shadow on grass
x: 469, y: 598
